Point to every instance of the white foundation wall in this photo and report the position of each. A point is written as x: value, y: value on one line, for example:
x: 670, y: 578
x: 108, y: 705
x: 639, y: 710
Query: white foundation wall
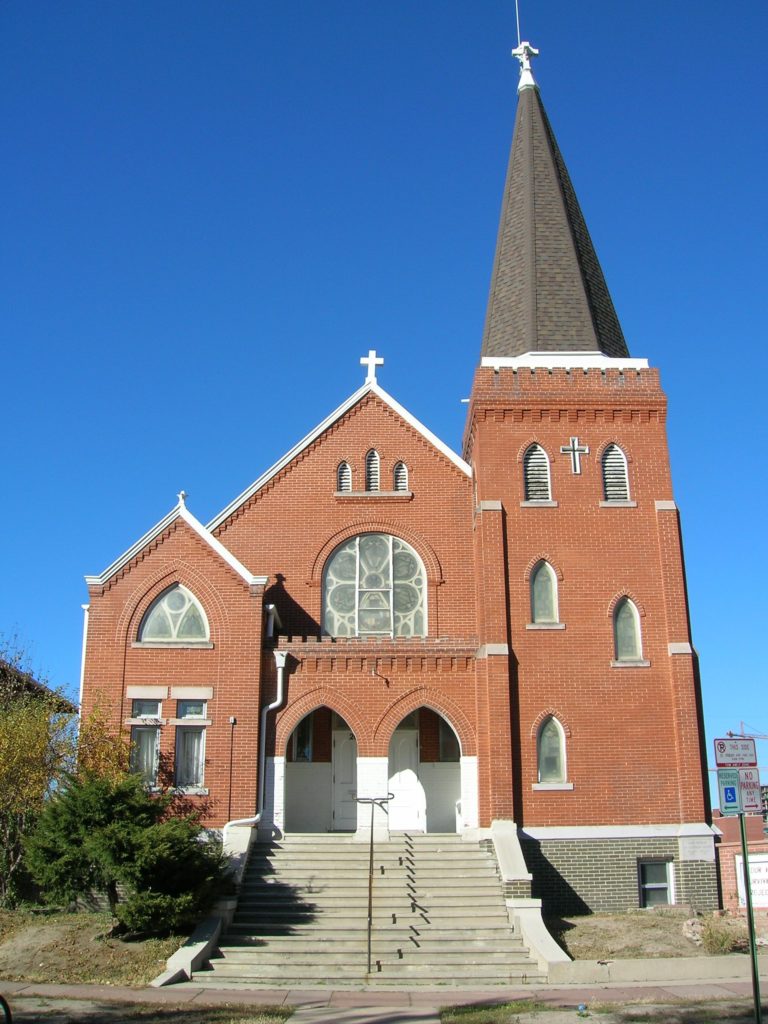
x: 442, y: 789
x: 308, y: 797
x: 468, y: 810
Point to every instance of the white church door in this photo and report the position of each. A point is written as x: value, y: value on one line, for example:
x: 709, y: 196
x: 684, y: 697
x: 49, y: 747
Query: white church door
x: 344, y: 781
x: 408, y: 806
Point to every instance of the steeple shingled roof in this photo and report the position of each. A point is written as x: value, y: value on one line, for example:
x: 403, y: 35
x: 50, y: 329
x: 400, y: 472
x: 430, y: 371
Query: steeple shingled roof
x: 548, y: 293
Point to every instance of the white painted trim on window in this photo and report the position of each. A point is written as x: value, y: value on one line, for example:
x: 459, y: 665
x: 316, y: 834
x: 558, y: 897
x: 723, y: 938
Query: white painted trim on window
x: 545, y: 625
x: 180, y: 511
x: 680, y: 648
x: 203, y: 645
x: 145, y: 721
x: 186, y: 722
x: 565, y: 361
x: 146, y: 692
x: 490, y: 650
x: 191, y: 693
x: 538, y: 504
x: 368, y: 387
x: 373, y: 494
x: 617, y: 831
x: 552, y: 785
x: 665, y: 506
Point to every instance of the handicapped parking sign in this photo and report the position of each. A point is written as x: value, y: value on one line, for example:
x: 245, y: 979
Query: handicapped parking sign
x: 730, y: 790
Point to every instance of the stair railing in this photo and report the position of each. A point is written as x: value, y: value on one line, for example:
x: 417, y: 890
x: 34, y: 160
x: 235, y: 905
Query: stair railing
x: 374, y: 801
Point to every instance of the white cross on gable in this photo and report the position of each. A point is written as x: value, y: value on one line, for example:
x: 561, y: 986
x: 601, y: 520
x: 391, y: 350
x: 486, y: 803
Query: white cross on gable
x: 371, y: 361
x: 575, y: 450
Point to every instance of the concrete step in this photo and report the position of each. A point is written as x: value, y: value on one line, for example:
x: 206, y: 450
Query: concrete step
x: 332, y: 958
x: 312, y: 973
x: 382, y: 900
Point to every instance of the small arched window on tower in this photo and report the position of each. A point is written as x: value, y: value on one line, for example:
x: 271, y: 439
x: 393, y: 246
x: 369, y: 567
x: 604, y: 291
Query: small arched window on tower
x: 543, y: 594
x: 615, y: 476
x: 550, y: 752
x: 536, y: 473
x: 175, y: 617
x: 344, y: 477
x: 400, y: 477
x: 626, y: 631
x: 372, y: 470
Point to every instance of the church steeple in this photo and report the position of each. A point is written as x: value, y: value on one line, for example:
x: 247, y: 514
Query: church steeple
x: 548, y: 293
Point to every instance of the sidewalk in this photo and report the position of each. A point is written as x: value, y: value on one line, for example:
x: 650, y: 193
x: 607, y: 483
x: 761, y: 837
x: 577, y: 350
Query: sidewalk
x: 92, y: 1003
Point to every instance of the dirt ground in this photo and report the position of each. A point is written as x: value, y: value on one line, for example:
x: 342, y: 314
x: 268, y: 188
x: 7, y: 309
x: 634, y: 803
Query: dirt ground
x: 652, y: 933
x: 60, y: 948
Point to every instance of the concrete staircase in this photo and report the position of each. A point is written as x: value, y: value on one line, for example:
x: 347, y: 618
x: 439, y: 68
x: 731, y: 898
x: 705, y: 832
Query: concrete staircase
x: 439, y: 917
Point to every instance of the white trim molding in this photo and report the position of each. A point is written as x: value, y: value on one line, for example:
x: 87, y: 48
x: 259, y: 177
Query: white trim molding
x: 179, y: 511
x: 370, y: 387
x: 617, y: 831
x: 491, y: 650
x: 665, y: 506
x: 564, y: 361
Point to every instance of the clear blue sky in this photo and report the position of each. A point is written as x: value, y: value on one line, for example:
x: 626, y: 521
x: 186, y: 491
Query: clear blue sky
x: 211, y: 210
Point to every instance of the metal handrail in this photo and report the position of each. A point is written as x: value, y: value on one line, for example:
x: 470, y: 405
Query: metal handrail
x: 374, y: 801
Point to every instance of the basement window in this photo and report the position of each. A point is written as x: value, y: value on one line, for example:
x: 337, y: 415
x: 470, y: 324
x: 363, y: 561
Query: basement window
x: 655, y: 879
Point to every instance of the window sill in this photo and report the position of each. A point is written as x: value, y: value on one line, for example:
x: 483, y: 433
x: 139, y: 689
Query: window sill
x: 631, y: 664
x: 402, y: 495
x: 553, y: 786
x: 545, y: 625
x: 191, y: 790
x: 190, y: 721
x: 204, y: 645
x: 538, y: 504
x: 145, y: 721
x: 618, y: 504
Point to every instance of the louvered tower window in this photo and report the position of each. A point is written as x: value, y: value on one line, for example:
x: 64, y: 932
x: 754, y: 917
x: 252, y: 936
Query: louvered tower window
x: 536, y: 471
x: 344, y: 477
x: 372, y: 470
x: 615, y: 478
x: 400, y: 477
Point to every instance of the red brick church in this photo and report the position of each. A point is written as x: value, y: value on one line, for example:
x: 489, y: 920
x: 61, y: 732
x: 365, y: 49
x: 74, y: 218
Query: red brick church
x: 496, y: 640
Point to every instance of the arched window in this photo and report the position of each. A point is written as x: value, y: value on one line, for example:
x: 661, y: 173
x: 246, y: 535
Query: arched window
x: 374, y: 585
x: 400, y: 477
x: 626, y: 631
x: 536, y: 473
x: 372, y: 470
x: 543, y: 593
x: 550, y: 751
x: 615, y: 477
x: 174, y: 617
x: 343, y: 477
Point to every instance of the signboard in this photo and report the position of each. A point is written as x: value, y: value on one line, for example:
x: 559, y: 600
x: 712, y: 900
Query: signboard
x: 758, y: 876
x: 729, y: 784
x: 751, y: 796
x: 735, y: 752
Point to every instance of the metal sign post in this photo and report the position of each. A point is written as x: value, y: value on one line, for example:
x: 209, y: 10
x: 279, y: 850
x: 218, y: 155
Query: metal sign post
x: 738, y: 781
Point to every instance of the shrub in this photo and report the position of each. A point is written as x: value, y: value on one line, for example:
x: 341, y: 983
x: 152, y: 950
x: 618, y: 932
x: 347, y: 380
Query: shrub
x: 111, y: 835
x: 720, y: 935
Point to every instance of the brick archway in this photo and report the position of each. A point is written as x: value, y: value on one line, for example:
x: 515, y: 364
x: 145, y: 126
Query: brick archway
x: 423, y: 697
x: 323, y: 696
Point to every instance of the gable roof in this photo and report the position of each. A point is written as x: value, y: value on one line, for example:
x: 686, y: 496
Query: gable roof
x: 180, y: 511
x: 548, y: 292
x: 370, y: 387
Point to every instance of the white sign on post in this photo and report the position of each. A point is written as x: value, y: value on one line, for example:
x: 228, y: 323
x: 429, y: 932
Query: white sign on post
x: 751, y: 794
x: 735, y: 752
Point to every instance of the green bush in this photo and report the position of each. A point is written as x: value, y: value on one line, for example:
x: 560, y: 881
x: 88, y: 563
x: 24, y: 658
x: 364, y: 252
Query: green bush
x: 111, y: 835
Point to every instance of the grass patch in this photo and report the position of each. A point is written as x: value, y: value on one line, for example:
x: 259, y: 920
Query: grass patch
x: 57, y: 947
x: 484, y: 1013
